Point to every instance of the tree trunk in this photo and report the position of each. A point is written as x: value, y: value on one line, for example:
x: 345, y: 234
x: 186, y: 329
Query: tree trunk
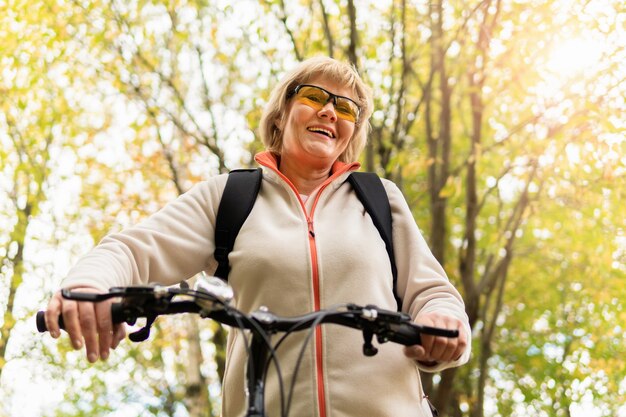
x: 439, y: 147
x: 196, y: 392
x: 354, y: 38
x: 438, y: 169
x: 327, y: 31
x: 219, y: 339
x: 445, y: 389
x: 16, y: 263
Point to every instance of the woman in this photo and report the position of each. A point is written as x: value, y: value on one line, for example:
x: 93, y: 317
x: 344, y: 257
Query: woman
x: 307, y: 244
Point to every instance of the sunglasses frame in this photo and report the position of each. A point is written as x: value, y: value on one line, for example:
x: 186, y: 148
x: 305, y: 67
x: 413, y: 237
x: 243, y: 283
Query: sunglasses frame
x: 331, y: 97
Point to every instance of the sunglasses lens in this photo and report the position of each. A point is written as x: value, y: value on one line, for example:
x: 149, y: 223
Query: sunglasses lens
x: 313, y: 97
x: 317, y: 98
x: 346, y: 109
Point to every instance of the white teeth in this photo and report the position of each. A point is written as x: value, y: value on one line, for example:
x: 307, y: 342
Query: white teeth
x: 321, y: 130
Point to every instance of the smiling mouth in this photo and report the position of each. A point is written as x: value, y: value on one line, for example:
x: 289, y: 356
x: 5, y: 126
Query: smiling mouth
x: 322, y: 131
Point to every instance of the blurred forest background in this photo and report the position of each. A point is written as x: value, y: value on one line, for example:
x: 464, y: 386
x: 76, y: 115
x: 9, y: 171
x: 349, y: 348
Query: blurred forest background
x: 503, y: 121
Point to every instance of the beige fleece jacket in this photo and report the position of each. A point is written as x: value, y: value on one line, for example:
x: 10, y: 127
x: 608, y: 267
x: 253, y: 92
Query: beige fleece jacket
x: 295, y: 258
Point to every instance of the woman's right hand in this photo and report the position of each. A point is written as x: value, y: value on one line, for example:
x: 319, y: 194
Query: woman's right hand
x: 88, y: 324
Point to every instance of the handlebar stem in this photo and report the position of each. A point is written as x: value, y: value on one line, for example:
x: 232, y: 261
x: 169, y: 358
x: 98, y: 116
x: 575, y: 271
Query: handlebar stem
x: 257, y: 367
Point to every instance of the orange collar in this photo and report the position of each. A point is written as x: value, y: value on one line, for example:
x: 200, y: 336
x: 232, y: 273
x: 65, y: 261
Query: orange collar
x: 270, y: 160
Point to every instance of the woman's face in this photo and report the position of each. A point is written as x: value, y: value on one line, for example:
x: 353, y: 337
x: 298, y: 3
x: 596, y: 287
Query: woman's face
x: 314, y: 137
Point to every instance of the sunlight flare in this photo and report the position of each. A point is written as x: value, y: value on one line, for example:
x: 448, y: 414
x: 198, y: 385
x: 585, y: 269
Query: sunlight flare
x: 574, y: 56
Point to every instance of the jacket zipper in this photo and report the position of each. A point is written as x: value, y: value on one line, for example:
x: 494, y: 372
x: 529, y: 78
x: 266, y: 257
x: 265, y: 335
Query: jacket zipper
x: 319, y: 369
x: 321, y: 392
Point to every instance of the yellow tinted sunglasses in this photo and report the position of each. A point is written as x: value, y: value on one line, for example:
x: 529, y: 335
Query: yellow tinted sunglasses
x: 316, y: 97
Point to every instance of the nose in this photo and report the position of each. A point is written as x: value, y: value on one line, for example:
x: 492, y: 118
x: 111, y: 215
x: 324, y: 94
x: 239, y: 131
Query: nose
x: 328, y: 111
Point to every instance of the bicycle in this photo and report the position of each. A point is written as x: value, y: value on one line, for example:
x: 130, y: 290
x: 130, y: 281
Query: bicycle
x: 211, y: 298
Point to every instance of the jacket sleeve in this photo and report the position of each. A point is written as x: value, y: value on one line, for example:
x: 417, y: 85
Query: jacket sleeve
x: 168, y: 247
x: 422, y: 283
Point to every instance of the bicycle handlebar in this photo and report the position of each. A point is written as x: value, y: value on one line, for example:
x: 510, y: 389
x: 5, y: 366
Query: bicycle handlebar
x: 151, y: 302
x: 211, y: 298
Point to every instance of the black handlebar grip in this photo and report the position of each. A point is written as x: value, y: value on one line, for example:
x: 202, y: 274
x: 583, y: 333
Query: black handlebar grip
x: 409, y: 335
x: 436, y: 331
x: 41, y: 322
x: 406, y: 335
x: 118, y: 315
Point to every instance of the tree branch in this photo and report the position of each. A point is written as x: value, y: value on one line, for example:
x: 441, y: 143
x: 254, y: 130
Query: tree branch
x: 327, y: 31
x: 283, y: 19
x: 354, y: 36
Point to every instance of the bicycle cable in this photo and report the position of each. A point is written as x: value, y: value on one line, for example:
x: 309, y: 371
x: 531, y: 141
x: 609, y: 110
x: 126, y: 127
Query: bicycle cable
x: 318, y: 320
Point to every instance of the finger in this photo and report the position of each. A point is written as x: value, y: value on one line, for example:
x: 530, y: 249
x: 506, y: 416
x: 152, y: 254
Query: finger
x: 415, y: 352
x: 448, y: 345
x: 427, y: 344
x: 426, y: 340
x: 88, y: 326
x: 454, y: 347
x: 51, y: 316
x: 448, y: 353
x: 439, y: 348
x: 119, y: 334
x: 105, y: 328
x: 461, y: 345
x: 72, y: 324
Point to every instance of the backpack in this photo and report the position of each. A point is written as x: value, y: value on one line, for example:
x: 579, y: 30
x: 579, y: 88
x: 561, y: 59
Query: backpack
x: 242, y: 188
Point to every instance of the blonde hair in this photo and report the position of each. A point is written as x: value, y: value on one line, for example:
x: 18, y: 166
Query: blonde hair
x: 335, y: 71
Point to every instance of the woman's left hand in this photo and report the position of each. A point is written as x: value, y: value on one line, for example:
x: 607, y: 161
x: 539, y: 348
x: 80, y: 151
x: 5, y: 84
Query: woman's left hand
x: 435, y: 349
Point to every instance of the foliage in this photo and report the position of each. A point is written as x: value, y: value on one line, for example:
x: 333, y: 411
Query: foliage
x: 501, y: 120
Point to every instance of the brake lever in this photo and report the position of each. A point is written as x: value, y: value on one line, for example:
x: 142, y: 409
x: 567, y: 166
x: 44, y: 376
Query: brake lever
x: 372, y: 312
x: 391, y: 317
x: 143, y: 333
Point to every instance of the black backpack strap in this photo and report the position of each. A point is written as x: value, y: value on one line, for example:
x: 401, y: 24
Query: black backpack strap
x: 371, y: 192
x: 236, y: 204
